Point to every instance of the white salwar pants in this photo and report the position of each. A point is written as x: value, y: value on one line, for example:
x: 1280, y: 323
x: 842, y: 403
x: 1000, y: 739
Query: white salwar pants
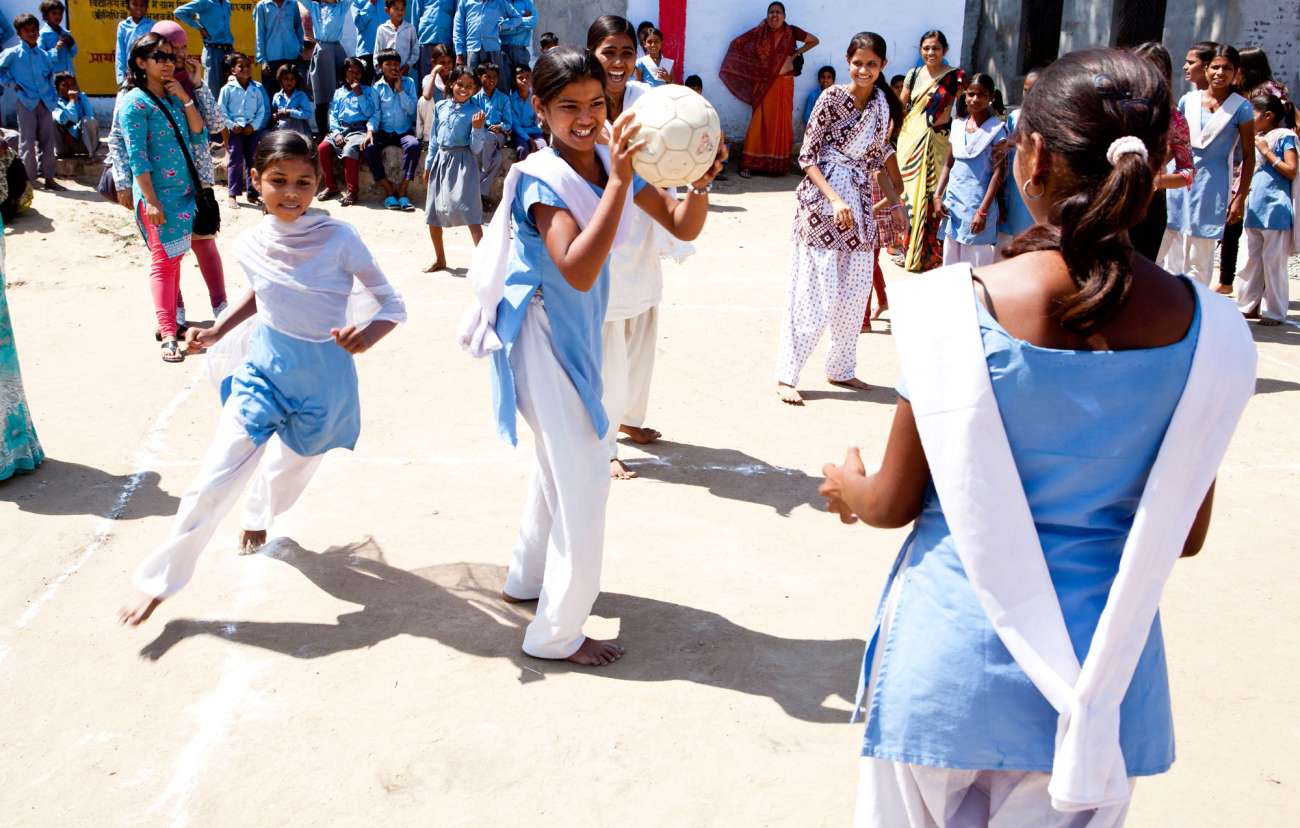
x: 976, y: 255
x: 1263, y: 274
x: 628, y: 364
x: 1189, y: 255
x: 898, y: 795
x: 562, y: 531
x: 827, y: 288
x: 229, y: 464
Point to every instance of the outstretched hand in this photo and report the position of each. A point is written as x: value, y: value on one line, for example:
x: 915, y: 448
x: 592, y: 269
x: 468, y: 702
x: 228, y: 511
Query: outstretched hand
x: 838, y: 479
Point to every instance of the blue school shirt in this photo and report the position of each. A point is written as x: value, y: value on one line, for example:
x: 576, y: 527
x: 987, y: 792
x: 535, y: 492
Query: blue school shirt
x: 968, y: 181
x: 396, y: 107
x: 478, y: 25
x: 576, y: 317
x: 211, y: 15
x: 244, y: 106
x: 810, y: 102
x: 298, y: 105
x: 60, y: 58
x: 7, y: 32
x: 366, y: 17
x: 519, y: 31
x: 1017, y: 219
x: 29, y: 70
x: 432, y: 20
x: 327, y: 20
x: 497, y: 108
x: 1269, y: 206
x: 1084, y: 429
x: 277, y: 31
x: 452, y: 126
x: 70, y: 112
x: 127, y: 31
x: 350, y: 111
x: 1201, y: 209
x: 523, y: 118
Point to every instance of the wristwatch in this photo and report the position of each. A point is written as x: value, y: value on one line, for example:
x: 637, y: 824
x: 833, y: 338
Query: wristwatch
x: 699, y: 191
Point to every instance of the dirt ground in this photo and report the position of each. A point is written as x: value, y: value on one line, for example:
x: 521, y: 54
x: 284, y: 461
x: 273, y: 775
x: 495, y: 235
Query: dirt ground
x: 361, y: 671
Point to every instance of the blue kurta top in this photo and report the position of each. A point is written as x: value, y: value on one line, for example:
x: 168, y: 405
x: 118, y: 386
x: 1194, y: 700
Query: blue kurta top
x: 1269, y: 206
x: 396, y: 107
x: 354, y: 111
x: 1084, y: 429
x: 151, y: 147
x: 1017, y: 219
x: 213, y: 16
x: 1201, y: 209
x: 452, y: 126
x: 576, y: 317
x: 968, y: 181
x: 127, y: 31
x: 277, y: 31
x: 60, y: 57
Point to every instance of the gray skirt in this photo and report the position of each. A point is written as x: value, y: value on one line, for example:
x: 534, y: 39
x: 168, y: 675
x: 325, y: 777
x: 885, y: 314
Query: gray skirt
x: 453, y: 199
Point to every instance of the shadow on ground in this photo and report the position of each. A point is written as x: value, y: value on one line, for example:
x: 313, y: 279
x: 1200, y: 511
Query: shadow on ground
x: 458, y: 605
x: 58, y: 487
x: 728, y: 473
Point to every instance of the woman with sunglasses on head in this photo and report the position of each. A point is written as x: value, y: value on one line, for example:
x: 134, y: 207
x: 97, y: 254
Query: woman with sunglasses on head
x: 154, y: 115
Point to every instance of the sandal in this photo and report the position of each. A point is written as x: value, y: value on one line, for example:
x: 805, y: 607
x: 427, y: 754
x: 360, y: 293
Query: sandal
x: 180, y: 333
x: 171, y: 352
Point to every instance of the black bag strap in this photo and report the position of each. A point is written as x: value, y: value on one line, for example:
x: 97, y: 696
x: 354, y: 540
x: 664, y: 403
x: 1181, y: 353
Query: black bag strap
x: 180, y: 139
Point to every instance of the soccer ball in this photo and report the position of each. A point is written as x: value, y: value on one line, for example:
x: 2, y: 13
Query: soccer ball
x: 681, y: 134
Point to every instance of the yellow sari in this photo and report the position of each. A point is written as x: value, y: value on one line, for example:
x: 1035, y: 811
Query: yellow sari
x: 922, y: 152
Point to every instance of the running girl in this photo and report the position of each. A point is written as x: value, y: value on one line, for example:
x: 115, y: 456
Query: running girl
x: 967, y: 193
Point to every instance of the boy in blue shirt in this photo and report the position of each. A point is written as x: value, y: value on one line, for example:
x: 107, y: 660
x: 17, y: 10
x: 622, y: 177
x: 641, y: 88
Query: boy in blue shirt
x: 135, y: 24
x: 477, y: 32
x: 396, y: 94
x: 54, y: 39
x: 74, y: 119
x: 26, y: 67
x: 527, y: 127
x: 247, y: 110
x: 211, y: 18
x: 825, y: 80
x: 497, y: 107
x: 278, y: 35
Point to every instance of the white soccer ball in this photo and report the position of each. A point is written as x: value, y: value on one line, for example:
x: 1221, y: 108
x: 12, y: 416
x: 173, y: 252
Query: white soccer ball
x: 681, y: 133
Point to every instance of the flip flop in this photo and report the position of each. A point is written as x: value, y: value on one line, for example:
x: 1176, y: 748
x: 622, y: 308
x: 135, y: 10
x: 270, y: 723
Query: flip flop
x: 171, y: 352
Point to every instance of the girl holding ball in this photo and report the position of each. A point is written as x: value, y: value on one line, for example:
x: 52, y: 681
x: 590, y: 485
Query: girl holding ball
x: 846, y: 144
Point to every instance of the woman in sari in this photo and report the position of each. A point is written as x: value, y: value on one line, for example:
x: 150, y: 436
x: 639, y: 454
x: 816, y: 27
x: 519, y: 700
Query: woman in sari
x: 20, y: 451
x: 929, y: 92
x: 759, y: 70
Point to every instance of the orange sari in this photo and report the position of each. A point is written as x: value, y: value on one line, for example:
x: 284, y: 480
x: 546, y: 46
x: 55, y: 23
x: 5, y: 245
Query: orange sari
x: 770, y: 140
x: 751, y: 71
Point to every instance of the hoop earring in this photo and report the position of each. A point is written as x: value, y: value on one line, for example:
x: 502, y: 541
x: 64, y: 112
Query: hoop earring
x: 1042, y: 190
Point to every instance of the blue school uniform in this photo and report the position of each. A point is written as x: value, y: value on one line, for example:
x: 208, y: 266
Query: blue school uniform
x: 1017, y: 219
x: 432, y: 19
x: 518, y: 31
x: 523, y: 118
x: 60, y: 58
x: 354, y: 112
x: 1202, y: 209
x: 968, y: 181
x: 327, y: 20
x: 649, y: 70
x: 809, y: 103
x: 30, y: 72
x: 452, y: 127
x: 366, y: 17
x: 1269, y: 205
x: 396, y: 107
x: 127, y: 31
x: 277, y: 31
x: 946, y: 692
x: 576, y: 316
x: 497, y: 108
x: 213, y: 16
x: 300, y: 110
x: 70, y: 112
x: 244, y: 106
x: 478, y: 25
x: 7, y: 32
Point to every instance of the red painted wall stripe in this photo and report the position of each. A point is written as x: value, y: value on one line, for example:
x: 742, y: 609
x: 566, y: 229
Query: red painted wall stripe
x: 672, y: 22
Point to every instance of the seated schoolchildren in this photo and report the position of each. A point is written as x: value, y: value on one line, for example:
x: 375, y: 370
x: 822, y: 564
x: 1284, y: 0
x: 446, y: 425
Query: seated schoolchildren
x: 290, y: 108
x: 74, y: 120
x: 395, y: 93
x: 493, y: 102
x: 354, y: 118
x: 528, y: 137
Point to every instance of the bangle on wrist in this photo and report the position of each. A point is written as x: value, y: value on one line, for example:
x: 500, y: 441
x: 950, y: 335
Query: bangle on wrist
x: 701, y: 191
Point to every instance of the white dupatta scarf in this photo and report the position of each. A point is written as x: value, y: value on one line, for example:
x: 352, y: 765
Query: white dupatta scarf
x: 971, y: 465
x: 1202, y: 135
x: 488, y: 269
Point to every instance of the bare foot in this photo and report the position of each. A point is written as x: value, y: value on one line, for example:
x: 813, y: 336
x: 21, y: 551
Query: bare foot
x: 640, y: 435
x: 618, y: 470
x: 788, y: 394
x: 436, y: 266
x: 510, y: 599
x: 1225, y: 290
x: 854, y: 383
x: 136, y: 611
x: 594, y: 653
x: 251, y: 541
x: 883, y: 307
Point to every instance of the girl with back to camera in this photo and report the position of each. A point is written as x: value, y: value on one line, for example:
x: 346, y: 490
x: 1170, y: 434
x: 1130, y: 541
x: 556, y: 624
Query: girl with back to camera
x: 297, y: 381
x: 1061, y: 418
x: 540, y: 298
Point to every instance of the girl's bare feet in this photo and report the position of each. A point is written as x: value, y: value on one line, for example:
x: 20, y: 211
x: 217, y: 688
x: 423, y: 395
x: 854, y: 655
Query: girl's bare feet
x: 854, y: 383
x: 788, y: 394
x: 510, y: 599
x: 251, y: 541
x: 436, y: 266
x: 618, y: 470
x: 884, y: 306
x: 639, y: 434
x: 594, y: 653
x: 137, y: 610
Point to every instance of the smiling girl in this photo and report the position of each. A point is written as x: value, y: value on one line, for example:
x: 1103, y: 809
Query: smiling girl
x: 613, y: 41
x: 297, y: 381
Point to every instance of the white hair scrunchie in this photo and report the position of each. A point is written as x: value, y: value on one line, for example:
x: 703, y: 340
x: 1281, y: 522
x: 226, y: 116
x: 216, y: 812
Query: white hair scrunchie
x: 1124, y: 146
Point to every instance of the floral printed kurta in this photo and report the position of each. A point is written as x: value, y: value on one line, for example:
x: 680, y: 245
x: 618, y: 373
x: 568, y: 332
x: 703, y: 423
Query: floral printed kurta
x: 20, y: 451
x: 151, y: 147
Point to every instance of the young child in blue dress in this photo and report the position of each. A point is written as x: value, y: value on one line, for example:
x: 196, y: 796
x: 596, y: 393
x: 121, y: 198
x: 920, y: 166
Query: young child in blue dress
x: 290, y: 108
x: 1055, y: 446
x: 451, y: 168
x: 967, y: 193
x: 1270, y: 213
x: 297, y: 382
x: 544, y: 294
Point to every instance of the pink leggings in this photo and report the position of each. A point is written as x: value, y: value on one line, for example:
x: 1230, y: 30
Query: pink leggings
x: 165, y: 275
x: 214, y: 274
